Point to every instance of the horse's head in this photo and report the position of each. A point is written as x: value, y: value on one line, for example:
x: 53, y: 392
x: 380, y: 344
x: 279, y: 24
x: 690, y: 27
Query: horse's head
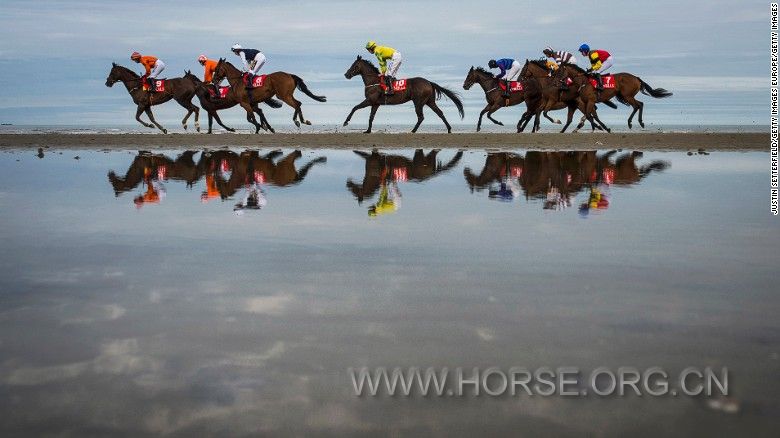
x: 114, y: 76
x: 190, y: 76
x: 354, y: 69
x: 220, y: 72
x: 471, y: 77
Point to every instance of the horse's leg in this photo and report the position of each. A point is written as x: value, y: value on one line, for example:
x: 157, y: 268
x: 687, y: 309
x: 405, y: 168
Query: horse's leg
x: 263, y: 122
x: 362, y: 104
x: 547, y: 116
x: 371, y: 118
x: 290, y: 100
x: 216, y: 116
x: 596, y: 117
x: 190, y: 110
x: 138, y: 117
x: 149, y: 114
x: 638, y: 106
x: 418, y: 108
x: 569, y: 117
x: 438, y: 111
x: 250, y: 116
x: 482, y: 113
x: 495, y: 106
x: 211, y: 120
x: 580, y: 125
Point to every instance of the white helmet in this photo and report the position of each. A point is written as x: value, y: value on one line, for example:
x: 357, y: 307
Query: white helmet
x: 202, y: 58
x: 236, y: 47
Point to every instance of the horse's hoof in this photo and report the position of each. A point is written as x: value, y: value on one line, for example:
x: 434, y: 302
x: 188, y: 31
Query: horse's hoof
x: 307, y: 122
x: 184, y: 126
x: 271, y: 129
x: 367, y: 131
x: 297, y: 123
x: 609, y: 131
x: 165, y: 131
x: 642, y: 125
x: 345, y: 124
x: 500, y: 123
x: 558, y: 122
x: 229, y: 130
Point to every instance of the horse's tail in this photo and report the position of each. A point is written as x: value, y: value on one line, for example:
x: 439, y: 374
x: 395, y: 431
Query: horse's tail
x: 273, y: 103
x: 453, y: 96
x: 611, y: 104
x: 658, y: 93
x: 302, y: 86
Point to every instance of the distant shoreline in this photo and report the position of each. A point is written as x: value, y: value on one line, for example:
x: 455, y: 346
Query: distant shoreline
x: 568, y: 141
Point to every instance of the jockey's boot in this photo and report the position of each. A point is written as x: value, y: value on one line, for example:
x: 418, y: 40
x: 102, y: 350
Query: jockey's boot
x: 389, y: 83
x: 150, y: 83
x: 507, y: 92
x: 599, y: 82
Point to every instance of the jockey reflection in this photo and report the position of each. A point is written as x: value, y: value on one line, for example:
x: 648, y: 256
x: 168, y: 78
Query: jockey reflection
x: 225, y: 173
x: 557, y: 177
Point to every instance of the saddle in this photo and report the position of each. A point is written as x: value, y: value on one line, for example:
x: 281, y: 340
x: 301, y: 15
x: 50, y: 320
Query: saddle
x: 253, y: 81
x: 158, y: 85
x: 220, y: 94
x: 514, y: 86
x: 398, y: 84
x: 607, y: 80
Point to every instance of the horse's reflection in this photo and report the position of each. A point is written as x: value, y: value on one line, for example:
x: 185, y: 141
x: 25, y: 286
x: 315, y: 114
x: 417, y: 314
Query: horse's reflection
x: 383, y: 169
x: 225, y: 173
x: 556, y: 177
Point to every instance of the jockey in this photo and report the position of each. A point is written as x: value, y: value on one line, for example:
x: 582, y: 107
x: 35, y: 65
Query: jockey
x: 559, y: 57
x: 600, y: 61
x: 209, y: 65
x: 253, y: 59
x: 510, y: 70
x: 389, y: 62
x: 152, y: 65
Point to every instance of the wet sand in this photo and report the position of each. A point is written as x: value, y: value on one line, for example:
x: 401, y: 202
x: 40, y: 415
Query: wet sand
x: 585, y: 141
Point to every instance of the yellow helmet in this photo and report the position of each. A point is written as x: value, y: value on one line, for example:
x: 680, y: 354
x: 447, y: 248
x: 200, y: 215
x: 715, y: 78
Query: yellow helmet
x: 370, y: 45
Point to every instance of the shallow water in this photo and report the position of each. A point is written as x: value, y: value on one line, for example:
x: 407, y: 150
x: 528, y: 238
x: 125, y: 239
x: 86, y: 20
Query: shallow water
x: 145, y: 294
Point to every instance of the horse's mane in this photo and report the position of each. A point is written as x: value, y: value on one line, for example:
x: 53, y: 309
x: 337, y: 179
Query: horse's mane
x: 369, y: 64
x: 123, y: 68
x: 539, y: 62
x: 482, y: 70
x: 577, y: 68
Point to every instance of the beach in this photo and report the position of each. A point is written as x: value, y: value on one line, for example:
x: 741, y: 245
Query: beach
x: 644, y: 141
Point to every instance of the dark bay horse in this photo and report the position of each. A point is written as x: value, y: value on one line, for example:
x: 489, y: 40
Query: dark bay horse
x: 627, y: 86
x: 279, y: 84
x: 419, y: 90
x: 493, y: 93
x: 212, y: 105
x: 177, y: 89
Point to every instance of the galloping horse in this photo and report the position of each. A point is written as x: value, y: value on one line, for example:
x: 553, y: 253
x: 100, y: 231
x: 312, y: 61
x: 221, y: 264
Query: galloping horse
x: 419, y: 90
x: 576, y: 96
x: 626, y: 87
x: 538, y: 68
x: 213, y: 104
x: 493, y: 93
x: 279, y: 83
x: 178, y: 89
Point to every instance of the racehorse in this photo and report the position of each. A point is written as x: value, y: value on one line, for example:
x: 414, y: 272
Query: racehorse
x: 493, y: 93
x: 627, y: 86
x: 177, y: 89
x: 279, y: 84
x: 419, y: 90
x: 552, y: 97
x: 213, y: 104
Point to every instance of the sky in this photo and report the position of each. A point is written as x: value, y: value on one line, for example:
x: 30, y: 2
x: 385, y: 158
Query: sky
x: 55, y: 56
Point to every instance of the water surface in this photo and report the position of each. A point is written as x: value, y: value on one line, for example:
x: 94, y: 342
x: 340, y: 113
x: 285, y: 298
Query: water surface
x: 227, y: 292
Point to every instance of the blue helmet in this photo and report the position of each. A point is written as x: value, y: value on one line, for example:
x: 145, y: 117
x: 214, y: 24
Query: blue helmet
x: 584, y: 48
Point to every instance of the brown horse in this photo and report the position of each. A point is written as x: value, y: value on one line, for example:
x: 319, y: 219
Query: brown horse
x: 177, y: 89
x: 493, y: 93
x: 279, y: 84
x: 213, y: 104
x: 419, y: 90
x: 627, y: 86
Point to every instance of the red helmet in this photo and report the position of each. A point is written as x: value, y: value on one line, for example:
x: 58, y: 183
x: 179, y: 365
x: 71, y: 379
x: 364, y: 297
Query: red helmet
x: 135, y: 55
